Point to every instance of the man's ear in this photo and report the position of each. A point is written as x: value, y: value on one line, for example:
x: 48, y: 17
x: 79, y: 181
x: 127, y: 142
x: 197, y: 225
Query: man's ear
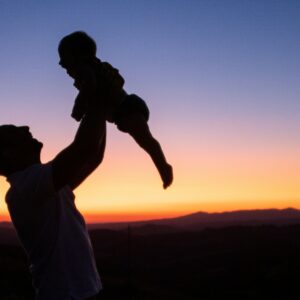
x: 8, y: 153
x: 7, y: 156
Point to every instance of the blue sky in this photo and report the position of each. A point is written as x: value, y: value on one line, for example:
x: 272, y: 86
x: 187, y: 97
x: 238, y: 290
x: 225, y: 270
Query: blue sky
x: 218, y: 76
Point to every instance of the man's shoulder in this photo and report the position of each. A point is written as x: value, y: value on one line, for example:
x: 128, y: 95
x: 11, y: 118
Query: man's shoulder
x: 34, y: 180
x: 32, y: 170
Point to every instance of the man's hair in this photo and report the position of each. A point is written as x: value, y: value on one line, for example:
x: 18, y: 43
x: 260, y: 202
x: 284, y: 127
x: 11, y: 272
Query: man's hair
x: 79, y: 44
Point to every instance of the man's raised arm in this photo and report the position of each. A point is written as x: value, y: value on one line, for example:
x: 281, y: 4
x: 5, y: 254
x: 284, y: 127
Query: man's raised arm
x: 72, y: 165
x: 88, y: 145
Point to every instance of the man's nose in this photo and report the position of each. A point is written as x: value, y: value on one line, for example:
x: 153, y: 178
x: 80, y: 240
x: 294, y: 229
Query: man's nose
x: 62, y: 64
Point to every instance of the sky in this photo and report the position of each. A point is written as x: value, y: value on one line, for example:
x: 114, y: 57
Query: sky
x: 221, y: 79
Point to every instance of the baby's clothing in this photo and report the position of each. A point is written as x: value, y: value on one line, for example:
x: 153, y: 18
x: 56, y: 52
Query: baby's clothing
x: 117, y: 108
x: 130, y: 104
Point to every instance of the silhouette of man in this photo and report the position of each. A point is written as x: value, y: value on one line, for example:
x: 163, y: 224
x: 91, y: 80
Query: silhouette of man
x: 41, y: 205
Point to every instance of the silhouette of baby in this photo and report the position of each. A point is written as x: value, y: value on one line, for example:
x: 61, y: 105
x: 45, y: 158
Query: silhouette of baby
x: 92, y: 78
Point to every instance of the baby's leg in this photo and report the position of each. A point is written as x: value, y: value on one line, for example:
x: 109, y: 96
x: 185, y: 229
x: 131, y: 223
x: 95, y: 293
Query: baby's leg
x: 136, y: 125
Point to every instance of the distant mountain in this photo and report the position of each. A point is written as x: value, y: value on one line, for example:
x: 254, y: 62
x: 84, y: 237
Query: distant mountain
x: 202, y: 220
x: 7, y: 234
x: 6, y: 225
x: 192, y: 222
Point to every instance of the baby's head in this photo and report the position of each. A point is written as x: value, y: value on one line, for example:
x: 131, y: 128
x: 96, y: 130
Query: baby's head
x: 75, y: 49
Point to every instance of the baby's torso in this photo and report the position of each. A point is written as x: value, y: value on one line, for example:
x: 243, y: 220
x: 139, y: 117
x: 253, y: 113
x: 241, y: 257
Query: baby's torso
x: 112, y: 96
x: 96, y: 77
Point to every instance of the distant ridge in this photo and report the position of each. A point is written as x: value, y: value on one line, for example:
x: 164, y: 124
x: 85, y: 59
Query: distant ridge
x: 6, y: 224
x: 287, y: 215
x: 192, y: 222
x: 200, y: 220
x: 195, y: 221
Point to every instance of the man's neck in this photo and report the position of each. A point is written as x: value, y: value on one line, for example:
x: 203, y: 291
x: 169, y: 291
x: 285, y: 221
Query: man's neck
x: 23, y: 166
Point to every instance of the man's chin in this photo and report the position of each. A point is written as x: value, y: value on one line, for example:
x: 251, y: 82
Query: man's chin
x: 38, y: 145
x: 38, y: 149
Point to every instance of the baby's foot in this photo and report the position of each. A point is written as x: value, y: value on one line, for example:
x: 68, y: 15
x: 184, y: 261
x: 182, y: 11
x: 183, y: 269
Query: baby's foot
x: 167, y: 175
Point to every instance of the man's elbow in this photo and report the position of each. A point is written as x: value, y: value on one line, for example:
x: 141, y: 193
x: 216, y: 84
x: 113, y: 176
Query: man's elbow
x: 95, y: 157
x: 98, y: 159
x: 86, y: 150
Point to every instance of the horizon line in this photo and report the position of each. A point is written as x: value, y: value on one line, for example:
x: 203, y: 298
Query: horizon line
x: 88, y: 216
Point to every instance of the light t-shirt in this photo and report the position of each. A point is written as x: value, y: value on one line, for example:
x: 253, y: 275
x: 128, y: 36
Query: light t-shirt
x: 54, y: 235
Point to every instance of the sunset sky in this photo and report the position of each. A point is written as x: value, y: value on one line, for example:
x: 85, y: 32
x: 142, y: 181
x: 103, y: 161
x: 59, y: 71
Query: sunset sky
x: 221, y: 79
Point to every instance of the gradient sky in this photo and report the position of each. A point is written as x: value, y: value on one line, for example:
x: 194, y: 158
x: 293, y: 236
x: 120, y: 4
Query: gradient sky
x: 221, y: 79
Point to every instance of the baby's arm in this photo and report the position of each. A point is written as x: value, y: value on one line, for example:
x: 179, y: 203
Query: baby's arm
x: 87, y: 85
x: 136, y: 125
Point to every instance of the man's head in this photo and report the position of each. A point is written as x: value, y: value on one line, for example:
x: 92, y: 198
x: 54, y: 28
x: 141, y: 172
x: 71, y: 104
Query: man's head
x: 75, y: 48
x: 18, y: 149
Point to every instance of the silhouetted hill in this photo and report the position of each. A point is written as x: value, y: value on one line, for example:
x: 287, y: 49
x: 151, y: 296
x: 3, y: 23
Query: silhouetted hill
x: 243, y: 217
x: 192, y: 222
x: 201, y: 220
x: 8, y: 235
x: 6, y: 225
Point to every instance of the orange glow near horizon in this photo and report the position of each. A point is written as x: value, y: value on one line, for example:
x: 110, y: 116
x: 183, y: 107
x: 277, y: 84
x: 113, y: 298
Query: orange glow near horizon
x: 127, y: 187
x: 99, y: 201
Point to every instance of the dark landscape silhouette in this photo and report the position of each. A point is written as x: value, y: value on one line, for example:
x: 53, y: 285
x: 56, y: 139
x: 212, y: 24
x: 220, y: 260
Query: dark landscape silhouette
x: 237, y: 255
x: 200, y: 220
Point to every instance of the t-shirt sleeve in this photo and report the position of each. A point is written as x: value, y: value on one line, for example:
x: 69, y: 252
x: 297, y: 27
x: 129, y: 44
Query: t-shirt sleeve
x: 36, y: 182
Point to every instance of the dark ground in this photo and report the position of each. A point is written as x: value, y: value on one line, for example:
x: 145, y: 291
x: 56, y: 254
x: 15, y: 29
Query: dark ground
x: 240, y: 262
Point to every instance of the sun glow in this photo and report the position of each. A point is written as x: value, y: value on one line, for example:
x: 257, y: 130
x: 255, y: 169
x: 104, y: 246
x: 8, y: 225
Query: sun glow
x: 130, y: 189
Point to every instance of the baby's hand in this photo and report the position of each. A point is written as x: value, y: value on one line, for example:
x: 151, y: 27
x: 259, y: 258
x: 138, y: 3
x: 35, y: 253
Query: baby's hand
x: 167, y: 175
x: 80, y: 107
x: 86, y: 83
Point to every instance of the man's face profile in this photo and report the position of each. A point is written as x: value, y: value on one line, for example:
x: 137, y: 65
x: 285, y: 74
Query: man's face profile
x: 19, y: 140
